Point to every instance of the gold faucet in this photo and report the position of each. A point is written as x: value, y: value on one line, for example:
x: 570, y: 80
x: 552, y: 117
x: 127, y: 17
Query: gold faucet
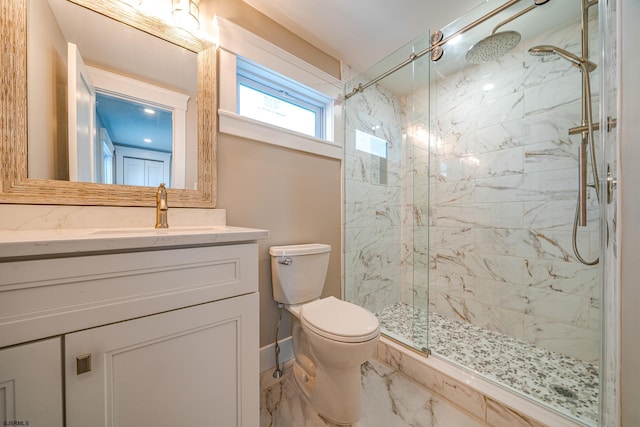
x: 162, y: 207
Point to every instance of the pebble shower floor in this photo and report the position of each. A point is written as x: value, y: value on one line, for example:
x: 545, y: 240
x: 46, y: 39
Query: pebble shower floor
x: 567, y: 385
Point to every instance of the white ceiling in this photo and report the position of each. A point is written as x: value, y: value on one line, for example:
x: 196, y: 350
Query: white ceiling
x: 372, y: 36
x: 362, y: 32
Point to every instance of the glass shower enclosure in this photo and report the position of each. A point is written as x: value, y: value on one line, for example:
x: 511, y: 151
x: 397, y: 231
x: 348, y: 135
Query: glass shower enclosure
x: 463, y: 231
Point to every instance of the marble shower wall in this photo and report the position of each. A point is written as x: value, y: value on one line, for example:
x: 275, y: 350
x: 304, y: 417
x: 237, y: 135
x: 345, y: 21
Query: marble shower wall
x: 374, y: 206
x: 611, y: 294
x: 386, y: 200
x: 416, y: 110
x: 503, y: 193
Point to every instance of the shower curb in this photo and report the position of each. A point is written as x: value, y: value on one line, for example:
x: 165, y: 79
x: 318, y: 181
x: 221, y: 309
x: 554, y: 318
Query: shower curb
x: 490, y: 403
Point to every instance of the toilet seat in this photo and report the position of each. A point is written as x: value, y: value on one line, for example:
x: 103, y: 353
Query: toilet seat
x: 339, y: 320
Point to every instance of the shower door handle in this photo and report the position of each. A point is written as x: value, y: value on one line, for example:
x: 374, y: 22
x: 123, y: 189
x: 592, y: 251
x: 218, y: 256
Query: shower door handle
x: 582, y: 184
x: 612, y: 183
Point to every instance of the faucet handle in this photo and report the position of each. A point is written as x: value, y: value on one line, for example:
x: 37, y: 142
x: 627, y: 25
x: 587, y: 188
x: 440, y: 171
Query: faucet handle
x: 161, y: 197
x: 161, y: 191
x: 162, y: 207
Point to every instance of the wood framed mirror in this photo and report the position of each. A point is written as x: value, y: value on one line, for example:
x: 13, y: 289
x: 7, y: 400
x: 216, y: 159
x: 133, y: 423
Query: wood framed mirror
x: 15, y: 184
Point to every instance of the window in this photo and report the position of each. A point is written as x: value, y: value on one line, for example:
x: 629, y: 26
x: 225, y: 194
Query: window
x: 272, y: 98
x: 268, y: 95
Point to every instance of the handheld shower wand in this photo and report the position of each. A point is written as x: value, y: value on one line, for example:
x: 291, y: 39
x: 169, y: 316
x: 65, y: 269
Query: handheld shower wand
x: 547, y: 50
x: 588, y: 139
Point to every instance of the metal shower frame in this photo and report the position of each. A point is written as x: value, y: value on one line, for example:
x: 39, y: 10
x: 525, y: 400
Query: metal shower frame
x: 438, y: 40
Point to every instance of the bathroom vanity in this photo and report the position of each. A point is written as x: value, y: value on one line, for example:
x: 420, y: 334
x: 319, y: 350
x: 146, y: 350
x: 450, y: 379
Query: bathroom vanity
x: 130, y: 327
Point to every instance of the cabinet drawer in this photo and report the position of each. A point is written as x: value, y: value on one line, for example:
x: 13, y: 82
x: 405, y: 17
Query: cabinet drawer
x: 40, y: 298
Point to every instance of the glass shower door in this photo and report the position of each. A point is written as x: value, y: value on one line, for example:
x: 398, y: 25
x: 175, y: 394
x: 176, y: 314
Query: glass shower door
x: 509, y: 297
x: 386, y: 196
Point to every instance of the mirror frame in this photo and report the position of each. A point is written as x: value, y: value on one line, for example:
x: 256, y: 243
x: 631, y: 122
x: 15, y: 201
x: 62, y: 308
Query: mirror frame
x: 16, y: 187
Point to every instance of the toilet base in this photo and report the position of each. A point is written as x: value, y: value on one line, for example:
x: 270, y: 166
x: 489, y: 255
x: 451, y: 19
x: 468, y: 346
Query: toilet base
x: 335, y: 397
x: 336, y: 401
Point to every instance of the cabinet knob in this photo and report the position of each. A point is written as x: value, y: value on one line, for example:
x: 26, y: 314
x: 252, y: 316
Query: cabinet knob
x: 83, y: 363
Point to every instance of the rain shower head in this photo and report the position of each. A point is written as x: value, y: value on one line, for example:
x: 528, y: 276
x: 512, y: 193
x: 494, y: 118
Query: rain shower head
x: 493, y: 47
x: 547, y: 50
x: 497, y: 44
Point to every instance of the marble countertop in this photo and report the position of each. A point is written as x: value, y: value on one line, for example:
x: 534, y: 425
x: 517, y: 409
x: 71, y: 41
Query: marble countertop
x: 68, y: 242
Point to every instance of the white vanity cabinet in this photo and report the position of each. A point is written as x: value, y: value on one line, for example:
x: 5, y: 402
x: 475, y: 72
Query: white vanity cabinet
x: 162, y: 337
x: 31, y: 384
x: 192, y: 366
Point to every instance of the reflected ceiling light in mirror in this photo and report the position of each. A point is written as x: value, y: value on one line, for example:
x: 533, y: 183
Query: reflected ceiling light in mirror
x: 149, y: 111
x: 186, y: 14
x: 147, y: 140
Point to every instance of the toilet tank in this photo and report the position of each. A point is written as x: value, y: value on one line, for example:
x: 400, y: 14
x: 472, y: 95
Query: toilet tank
x: 298, y: 272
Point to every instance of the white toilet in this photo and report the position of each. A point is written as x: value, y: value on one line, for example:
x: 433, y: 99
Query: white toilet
x: 331, y: 337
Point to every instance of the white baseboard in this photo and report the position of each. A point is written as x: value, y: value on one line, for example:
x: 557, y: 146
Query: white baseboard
x: 268, y: 354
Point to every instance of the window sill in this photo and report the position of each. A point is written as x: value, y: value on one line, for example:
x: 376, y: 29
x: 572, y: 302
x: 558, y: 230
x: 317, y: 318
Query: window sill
x: 234, y: 124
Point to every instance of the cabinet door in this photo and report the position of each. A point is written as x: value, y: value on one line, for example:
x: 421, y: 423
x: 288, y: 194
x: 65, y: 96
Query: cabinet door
x: 31, y: 384
x: 194, y: 366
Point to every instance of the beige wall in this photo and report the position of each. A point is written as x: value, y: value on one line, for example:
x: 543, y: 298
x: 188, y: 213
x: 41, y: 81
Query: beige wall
x: 245, y: 16
x: 47, y: 83
x: 294, y: 195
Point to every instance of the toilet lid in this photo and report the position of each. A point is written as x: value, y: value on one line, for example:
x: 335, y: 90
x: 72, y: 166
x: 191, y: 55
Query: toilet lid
x: 339, y: 320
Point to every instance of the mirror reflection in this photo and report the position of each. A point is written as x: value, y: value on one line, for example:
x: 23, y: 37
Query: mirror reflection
x: 108, y: 103
x: 134, y: 142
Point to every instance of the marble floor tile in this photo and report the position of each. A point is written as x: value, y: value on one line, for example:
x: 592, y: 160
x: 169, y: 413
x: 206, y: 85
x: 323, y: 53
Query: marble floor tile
x: 389, y: 399
x: 282, y: 405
